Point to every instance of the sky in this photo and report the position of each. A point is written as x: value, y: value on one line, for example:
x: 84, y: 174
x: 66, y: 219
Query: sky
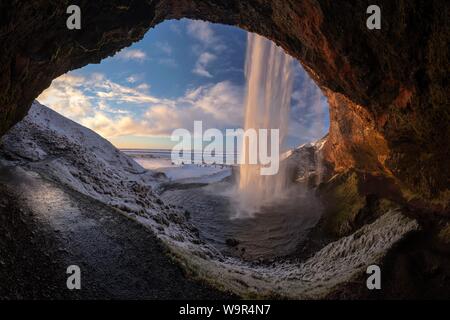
x: 181, y: 71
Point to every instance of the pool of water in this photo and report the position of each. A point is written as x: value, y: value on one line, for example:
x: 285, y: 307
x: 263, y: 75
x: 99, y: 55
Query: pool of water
x: 276, y: 231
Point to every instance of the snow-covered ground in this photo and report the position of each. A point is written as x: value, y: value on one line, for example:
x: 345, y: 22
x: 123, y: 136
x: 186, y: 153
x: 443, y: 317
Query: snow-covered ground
x: 184, y: 172
x: 59, y: 149
x: 154, y: 163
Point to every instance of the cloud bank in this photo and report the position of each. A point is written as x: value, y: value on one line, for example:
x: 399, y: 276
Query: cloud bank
x: 88, y: 101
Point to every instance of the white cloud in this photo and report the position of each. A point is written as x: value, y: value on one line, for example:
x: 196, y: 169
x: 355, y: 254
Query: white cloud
x: 66, y: 96
x: 143, y: 87
x: 78, y: 96
x: 109, y: 90
x: 88, y: 100
x: 111, y: 127
x: 202, y: 62
x: 103, y: 106
x: 164, y: 47
x: 218, y: 106
x: 131, y: 54
x: 132, y: 79
x: 202, y: 31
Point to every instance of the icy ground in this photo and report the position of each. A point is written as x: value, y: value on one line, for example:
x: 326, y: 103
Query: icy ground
x: 63, y: 151
x: 160, y: 161
x: 182, y: 173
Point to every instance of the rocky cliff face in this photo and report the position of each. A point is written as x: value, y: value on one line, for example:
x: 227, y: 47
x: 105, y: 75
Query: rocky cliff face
x: 388, y: 89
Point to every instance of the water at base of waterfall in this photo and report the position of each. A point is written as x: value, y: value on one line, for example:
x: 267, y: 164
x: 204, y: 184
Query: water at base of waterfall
x: 276, y: 230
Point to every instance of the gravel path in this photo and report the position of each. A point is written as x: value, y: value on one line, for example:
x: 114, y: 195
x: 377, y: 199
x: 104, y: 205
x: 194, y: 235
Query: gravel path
x: 44, y: 228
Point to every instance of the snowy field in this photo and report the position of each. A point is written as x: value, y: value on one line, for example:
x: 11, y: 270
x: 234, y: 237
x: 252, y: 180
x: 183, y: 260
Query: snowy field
x: 159, y: 161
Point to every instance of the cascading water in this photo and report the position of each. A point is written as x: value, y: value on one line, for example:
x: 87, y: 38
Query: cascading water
x: 269, y: 75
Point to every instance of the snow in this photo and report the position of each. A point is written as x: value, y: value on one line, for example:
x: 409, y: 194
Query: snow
x: 59, y: 149
x: 197, y: 175
x: 64, y: 151
x: 181, y: 173
x: 192, y: 171
x: 157, y: 164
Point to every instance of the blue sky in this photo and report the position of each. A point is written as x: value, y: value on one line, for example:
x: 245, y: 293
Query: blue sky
x: 183, y: 70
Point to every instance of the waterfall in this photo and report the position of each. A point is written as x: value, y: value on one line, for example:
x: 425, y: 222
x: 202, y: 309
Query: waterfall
x: 269, y: 75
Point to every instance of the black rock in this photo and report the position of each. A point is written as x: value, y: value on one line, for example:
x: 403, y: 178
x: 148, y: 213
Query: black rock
x: 232, y: 242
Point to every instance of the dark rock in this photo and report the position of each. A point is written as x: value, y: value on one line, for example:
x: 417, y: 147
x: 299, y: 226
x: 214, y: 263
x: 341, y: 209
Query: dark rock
x: 232, y: 242
x: 159, y: 175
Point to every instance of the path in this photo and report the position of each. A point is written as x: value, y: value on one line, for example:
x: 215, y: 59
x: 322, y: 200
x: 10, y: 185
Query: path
x: 44, y: 228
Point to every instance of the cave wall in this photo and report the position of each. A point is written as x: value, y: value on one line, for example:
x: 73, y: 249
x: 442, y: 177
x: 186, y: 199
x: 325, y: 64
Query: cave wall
x: 388, y: 89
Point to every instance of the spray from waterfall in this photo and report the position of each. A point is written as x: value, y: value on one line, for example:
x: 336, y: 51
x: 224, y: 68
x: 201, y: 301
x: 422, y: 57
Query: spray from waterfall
x: 269, y: 75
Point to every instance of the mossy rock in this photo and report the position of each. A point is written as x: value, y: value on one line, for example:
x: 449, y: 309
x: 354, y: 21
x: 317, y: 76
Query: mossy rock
x: 348, y: 206
x: 342, y: 203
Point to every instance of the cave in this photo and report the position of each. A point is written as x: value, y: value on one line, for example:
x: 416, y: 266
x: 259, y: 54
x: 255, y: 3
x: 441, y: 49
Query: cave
x: 387, y: 90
